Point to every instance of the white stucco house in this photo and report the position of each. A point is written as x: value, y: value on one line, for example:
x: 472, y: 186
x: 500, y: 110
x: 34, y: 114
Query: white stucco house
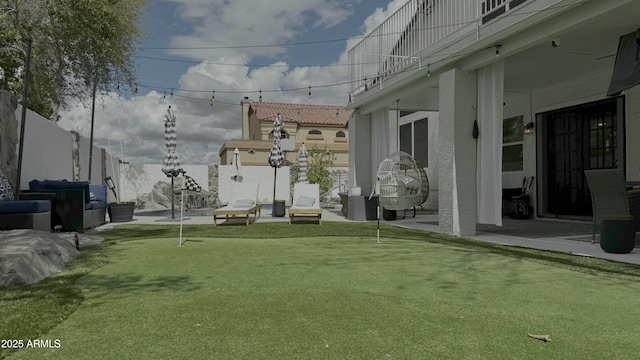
x: 533, y: 74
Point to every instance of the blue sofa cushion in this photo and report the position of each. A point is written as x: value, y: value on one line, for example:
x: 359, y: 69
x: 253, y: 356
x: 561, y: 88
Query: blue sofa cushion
x: 64, y: 184
x: 36, y: 185
x: 6, y: 193
x: 24, y: 206
x: 99, y: 192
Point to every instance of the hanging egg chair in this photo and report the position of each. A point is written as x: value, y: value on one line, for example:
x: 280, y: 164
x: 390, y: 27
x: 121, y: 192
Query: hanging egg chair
x: 403, y: 183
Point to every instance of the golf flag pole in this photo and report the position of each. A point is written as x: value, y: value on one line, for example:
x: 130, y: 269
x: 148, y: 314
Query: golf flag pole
x: 377, y: 213
x: 181, y: 213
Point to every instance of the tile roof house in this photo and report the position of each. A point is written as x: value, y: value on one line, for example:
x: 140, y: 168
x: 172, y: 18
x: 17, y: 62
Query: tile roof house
x: 321, y: 126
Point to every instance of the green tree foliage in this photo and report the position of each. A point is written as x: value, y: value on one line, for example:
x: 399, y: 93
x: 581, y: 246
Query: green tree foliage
x: 75, y: 44
x: 318, y: 173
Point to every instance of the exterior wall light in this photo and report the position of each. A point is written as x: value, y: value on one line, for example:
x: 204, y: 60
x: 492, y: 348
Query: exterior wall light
x: 528, y: 128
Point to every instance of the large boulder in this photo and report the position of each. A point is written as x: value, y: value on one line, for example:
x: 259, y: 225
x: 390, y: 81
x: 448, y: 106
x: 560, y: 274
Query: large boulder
x: 28, y: 256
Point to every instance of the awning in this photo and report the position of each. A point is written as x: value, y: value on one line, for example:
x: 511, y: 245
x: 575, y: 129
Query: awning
x: 626, y: 71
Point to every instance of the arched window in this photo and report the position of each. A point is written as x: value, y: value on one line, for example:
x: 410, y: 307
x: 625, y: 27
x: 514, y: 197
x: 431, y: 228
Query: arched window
x: 283, y: 135
x: 315, y: 132
x: 340, y: 134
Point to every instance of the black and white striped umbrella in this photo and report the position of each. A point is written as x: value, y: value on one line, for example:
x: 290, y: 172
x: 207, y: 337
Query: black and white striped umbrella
x: 171, y: 165
x: 276, y: 157
x: 302, y: 164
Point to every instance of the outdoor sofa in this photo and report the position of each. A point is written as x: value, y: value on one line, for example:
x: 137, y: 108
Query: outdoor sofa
x: 75, y: 205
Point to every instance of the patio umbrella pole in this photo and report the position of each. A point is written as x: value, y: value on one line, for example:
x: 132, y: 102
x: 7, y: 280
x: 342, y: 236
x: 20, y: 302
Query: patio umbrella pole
x: 173, y: 216
x: 273, y: 205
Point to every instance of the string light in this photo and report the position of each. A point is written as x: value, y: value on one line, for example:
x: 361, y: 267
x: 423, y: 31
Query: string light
x: 428, y: 71
x: 213, y: 97
x: 498, y: 50
x: 240, y: 91
x: 309, y: 96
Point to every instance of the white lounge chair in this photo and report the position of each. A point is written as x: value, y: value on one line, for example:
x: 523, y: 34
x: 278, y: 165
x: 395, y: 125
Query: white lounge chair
x: 243, y: 201
x: 306, y: 202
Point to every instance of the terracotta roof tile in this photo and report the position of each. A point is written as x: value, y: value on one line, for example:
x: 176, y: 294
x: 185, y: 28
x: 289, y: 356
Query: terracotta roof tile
x: 303, y: 114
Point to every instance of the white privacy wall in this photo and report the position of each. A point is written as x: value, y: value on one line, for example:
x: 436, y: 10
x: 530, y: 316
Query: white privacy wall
x: 46, y: 151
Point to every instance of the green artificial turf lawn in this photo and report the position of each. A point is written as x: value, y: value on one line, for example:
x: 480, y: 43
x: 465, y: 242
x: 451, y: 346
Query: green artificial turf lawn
x: 274, y: 291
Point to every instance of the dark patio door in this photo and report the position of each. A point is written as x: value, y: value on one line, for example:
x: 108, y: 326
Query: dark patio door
x: 579, y: 138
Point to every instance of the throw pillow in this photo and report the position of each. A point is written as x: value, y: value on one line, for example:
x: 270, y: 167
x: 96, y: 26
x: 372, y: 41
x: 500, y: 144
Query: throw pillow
x: 305, y: 201
x: 6, y: 193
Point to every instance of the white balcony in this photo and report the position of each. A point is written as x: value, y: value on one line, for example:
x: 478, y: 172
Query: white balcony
x: 413, y: 37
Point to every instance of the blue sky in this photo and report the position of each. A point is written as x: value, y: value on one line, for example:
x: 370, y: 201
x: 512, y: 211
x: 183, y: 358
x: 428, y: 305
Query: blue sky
x: 162, y: 24
x: 201, y: 38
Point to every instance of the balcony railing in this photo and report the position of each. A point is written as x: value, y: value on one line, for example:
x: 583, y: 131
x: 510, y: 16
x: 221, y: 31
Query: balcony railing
x: 397, y: 44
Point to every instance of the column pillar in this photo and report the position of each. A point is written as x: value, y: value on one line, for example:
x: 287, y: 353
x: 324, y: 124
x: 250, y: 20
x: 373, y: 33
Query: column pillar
x: 457, y: 153
x: 359, y: 151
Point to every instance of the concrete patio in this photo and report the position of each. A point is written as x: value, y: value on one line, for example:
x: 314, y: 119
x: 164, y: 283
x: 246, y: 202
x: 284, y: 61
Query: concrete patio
x: 568, y: 236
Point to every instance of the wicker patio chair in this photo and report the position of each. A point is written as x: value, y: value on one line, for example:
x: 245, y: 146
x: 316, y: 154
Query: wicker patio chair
x: 610, y: 197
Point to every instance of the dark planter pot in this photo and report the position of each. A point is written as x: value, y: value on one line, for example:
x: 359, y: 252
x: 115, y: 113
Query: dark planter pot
x: 121, y: 212
x: 279, y: 208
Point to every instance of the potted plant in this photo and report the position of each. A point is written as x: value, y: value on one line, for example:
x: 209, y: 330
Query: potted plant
x: 119, y: 211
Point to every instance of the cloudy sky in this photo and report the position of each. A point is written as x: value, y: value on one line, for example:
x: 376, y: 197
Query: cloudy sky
x: 235, y: 48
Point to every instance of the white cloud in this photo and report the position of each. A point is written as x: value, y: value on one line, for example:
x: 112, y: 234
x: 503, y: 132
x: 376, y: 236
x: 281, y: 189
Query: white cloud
x: 202, y: 129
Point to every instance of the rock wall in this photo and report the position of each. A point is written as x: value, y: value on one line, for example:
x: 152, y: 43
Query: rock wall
x: 160, y: 197
x: 8, y: 136
x: 75, y: 155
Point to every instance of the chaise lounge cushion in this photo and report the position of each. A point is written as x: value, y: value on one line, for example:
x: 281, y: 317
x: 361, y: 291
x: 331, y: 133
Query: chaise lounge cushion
x: 305, y: 201
x: 244, y: 203
x: 25, y: 206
